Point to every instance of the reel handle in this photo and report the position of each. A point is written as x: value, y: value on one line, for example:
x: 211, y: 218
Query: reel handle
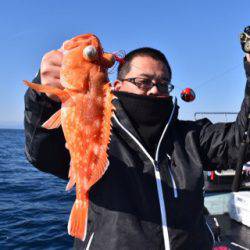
x: 245, y: 40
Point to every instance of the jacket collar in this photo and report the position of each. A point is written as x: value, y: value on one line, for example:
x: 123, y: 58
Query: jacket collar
x: 166, y: 144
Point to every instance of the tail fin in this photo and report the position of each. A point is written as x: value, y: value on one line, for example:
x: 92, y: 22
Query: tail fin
x: 77, y: 225
x: 63, y: 95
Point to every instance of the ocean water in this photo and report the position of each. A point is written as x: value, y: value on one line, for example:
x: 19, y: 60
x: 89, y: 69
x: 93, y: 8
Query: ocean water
x: 34, y: 206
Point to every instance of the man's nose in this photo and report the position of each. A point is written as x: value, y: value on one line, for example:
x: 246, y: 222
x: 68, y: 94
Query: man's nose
x: 153, y: 91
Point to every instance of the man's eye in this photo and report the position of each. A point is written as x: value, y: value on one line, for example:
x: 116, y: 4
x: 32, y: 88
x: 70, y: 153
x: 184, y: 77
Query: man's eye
x: 144, y: 81
x: 163, y: 82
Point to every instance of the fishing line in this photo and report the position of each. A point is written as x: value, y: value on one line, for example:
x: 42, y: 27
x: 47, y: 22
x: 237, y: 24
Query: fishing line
x: 119, y: 54
x: 187, y: 94
x: 215, y: 77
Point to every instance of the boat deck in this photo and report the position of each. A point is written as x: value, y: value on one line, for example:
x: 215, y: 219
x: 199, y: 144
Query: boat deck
x: 232, y: 234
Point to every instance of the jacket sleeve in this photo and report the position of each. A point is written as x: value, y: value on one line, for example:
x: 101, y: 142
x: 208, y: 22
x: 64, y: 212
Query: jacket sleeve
x: 220, y: 142
x: 44, y: 149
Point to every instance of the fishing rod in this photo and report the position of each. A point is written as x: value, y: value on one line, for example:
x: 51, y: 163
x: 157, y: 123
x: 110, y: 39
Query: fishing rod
x: 245, y: 45
x: 188, y: 94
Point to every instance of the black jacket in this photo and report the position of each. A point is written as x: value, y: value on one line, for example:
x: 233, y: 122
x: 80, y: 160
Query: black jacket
x: 143, y: 202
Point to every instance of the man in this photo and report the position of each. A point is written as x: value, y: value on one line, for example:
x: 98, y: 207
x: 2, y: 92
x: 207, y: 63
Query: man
x: 151, y: 196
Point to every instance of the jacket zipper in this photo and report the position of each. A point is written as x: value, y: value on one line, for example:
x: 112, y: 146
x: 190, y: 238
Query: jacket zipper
x: 172, y: 178
x: 157, y: 175
x: 90, y: 241
x: 173, y: 183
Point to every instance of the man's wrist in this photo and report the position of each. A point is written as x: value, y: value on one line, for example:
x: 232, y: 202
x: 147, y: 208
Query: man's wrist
x: 247, y: 70
x: 248, y: 57
x: 247, y: 67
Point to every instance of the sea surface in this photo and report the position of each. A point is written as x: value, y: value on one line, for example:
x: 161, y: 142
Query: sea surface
x: 34, y: 206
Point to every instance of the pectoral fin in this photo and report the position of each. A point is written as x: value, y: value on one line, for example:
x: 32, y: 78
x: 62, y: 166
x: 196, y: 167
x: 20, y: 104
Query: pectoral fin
x: 54, y: 121
x: 62, y: 95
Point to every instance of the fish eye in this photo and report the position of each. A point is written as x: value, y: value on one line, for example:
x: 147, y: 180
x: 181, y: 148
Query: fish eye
x: 90, y: 53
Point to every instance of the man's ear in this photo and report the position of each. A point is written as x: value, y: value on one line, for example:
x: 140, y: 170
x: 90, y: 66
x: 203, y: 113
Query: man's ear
x: 117, y: 85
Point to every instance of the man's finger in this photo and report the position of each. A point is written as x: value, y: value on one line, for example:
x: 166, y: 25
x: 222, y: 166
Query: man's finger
x: 50, y: 70
x: 53, y: 58
x: 248, y: 57
x: 52, y: 81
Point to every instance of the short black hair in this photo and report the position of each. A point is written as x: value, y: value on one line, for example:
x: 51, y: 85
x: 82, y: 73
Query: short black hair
x: 125, y: 67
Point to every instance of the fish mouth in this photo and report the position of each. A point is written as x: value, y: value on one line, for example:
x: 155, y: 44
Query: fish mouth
x: 108, y: 60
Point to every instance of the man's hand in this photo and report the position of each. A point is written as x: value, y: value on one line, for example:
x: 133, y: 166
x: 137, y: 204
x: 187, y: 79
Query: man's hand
x: 50, y: 71
x: 248, y: 57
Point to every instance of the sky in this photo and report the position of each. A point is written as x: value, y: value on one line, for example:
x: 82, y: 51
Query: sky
x: 199, y: 38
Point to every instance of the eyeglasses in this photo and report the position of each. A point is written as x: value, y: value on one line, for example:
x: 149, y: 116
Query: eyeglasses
x: 146, y: 84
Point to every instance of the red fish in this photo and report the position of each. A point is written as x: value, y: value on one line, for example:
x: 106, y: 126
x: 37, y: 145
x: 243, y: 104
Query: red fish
x: 85, y: 116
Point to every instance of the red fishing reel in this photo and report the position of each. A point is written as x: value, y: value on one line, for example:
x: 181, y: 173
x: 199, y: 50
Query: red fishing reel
x: 187, y: 95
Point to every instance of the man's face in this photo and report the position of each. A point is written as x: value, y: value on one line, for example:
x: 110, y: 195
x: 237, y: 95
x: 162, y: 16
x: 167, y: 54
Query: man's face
x: 144, y: 67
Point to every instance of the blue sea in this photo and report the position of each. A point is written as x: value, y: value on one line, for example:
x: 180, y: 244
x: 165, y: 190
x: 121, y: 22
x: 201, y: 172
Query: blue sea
x: 34, y: 206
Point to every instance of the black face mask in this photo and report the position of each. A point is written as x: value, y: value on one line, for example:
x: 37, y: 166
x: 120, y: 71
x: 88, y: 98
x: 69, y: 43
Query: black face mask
x: 148, y: 114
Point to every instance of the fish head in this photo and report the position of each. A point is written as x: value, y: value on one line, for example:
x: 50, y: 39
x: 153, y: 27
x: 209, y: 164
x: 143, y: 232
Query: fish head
x: 82, y: 54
